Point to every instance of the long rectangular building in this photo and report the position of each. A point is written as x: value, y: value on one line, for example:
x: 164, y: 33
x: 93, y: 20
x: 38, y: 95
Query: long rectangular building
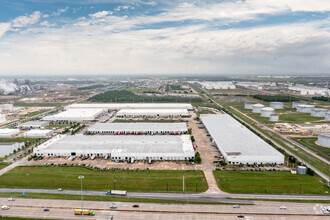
x: 76, y: 115
x: 138, y: 128
x: 237, y: 143
x: 174, y: 147
x: 152, y: 113
x: 119, y: 106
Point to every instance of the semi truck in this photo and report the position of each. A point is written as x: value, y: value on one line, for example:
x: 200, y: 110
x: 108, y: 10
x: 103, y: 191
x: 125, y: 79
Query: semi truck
x: 85, y: 211
x: 116, y: 193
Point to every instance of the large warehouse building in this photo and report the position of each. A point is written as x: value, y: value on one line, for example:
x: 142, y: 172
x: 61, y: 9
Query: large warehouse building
x: 36, y: 133
x: 119, y: 106
x: 34, y: 125
x: 75, y: 115
x: 8, y: 133
x: 152, y: 113
x: 238, y: 144
x: 138, y: 128
x: 169, y: 147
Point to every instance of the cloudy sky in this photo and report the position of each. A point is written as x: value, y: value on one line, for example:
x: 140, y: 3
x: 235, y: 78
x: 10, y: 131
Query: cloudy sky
x: 64, y: 37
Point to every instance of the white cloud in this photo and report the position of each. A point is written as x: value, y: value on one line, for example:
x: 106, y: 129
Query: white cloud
x: 4, y: 27
x: 60, y: 11
x: 23, y: 21
x: 100, y: 14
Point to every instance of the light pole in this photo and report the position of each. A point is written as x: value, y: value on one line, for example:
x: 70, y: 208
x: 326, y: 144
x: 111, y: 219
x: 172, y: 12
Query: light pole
x: 82, y: 200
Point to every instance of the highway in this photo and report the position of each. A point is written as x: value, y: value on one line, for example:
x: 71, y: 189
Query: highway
x: 63, y: 209
x: 204, y: 197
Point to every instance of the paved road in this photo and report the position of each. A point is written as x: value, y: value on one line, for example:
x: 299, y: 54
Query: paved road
x: 64, y: 209
x: 179, y: 196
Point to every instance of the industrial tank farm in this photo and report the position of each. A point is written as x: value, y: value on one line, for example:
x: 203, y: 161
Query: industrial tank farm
x: 274, y: 117
x: 327, y: 116
x: 305, y: 108
x: 319, y: 112
x: 276, y: 105
x: 249, y: 105
x: 267, y: 112
x: 324, y: 139
x: 257, y: 108
x: 295, y: 104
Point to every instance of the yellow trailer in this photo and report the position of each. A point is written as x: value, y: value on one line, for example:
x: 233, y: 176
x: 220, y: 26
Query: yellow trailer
x: 86, y: 212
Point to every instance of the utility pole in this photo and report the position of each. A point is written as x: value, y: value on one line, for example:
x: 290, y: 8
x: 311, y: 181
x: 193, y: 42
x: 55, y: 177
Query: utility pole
x: 82, y: 200
x: 183, y: 183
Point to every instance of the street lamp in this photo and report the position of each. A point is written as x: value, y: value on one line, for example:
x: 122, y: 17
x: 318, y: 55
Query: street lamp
x: 82, y: 200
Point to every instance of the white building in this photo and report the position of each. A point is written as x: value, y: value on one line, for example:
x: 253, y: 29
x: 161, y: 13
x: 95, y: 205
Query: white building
x: 7, y: 107
x: 36, y: 133
x: 167, y: 147
x: 267, y: 112
x: 305, y: 108
x: 237, y: 143
x: 151, y: 113
x: 34, y: 125
x: 138, y: 128
x: 257, y: 108
x: 327, y: 116
x: 217, y: 85
x: 78, y: 115
x: 324, y: 139
x: 7, y: 133
x: 119, y: 106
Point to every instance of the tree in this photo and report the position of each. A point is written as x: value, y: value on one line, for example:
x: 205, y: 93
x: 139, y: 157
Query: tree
x: 197, y: 158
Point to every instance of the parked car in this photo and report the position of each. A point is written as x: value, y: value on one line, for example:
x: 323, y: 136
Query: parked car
x: 5, y: 207
x: 11, y: 199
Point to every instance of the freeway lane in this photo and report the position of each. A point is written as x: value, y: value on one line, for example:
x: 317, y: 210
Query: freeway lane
x: 204, y: 197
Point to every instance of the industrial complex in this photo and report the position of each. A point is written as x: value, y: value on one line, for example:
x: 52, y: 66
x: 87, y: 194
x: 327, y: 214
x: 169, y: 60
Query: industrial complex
x: 152, y: 113
x: 76, y: 115
x: 119, y: 106
x: 237, y: 143
x: 176, y: 147
x: 138, y: 128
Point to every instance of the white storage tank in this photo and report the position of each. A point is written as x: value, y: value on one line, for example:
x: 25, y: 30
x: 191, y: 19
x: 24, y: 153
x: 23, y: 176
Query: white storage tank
x: 324, y: 139
x: 276, y: 105
x: 305, y: 108
x: 319, y: 112
x: 274, y: 117
x: 301, y: 170
x: 295, y: 104
x: 267, y: 111
x: 256, y: 108
x: 327, y: 116
x: 2, y: 118
x: 249, y: 105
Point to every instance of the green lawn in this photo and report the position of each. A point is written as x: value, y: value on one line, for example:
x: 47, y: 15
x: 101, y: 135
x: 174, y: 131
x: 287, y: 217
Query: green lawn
x: 204, y: 112
x: 32, y: 114
x: 309, y: 142
x: 3, y: 165
x: 20, y: 139
x: 296, y: 117
x: 271, y: 182
x: 104, y: 198
x: 130, y: 180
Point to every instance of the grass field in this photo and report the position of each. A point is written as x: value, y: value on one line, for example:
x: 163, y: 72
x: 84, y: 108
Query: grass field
x: 135, y: 121
x: 309, y: 142
x: 102, y: 180
x: 268, y: 182
x: 32, y: 114
x: 20, y: 139
x: 3, y: 165
x: 204, y: 112
x: 104, y: 198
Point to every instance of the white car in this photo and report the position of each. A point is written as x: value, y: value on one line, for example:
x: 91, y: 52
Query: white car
x: 236, y: 206
x: 59, y: 189
x: 113, y: 206
x: 4, y: 207
x: 11, y: 199
x: 282, y: 207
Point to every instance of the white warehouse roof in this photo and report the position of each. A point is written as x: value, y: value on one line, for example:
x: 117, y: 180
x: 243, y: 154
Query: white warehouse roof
x: 75, y: 115
x: 118, y: 106
x: 153, y: 112
x: 139, y: 127
x: 140, y: 147
x: 36, y: 133
x: 6, y: 132
x: 237, y: 143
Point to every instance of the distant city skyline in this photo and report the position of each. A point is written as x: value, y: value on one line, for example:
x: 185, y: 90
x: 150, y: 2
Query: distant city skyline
x: 57, y: 37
